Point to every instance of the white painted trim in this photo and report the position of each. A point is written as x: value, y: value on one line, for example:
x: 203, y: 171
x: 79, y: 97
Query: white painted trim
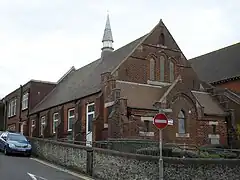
x: 217, y: 136
x: 61, y: 169
x: 200, y: 92
x: 54, y: 121
x: 147, y: 118
x: 105, y: 125
x: 167, y: 110
x: 138, y: 84
x: 158, y: 83
x: 43, y: 118
x: 149, y: 134
x: 69, y: 71
x: 40, y: 81
x: 213, y: 123
x: 72, y: 109
x: 89, y: 133
x: 169, y: 89
x: 183, y: 135
x: 107, y: 104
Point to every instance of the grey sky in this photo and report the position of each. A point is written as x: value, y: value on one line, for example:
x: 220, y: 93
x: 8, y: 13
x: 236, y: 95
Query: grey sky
x: 42, y: 39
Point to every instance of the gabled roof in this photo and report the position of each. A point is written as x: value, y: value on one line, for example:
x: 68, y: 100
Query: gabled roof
x: 86, y: 80
x: 144, y: 98
x: 218, y: 65
x: 211, y: 107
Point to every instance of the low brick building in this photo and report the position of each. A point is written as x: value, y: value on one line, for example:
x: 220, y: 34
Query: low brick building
x: 20, y: 102
x: 117, y: 96
x: 221, y: 68
x: 2, y: 109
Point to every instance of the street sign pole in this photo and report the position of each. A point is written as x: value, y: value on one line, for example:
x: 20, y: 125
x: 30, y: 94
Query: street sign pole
x: 161, y: 122
x: 160, y: 157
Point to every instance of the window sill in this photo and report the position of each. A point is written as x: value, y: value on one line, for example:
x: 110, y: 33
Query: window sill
x: 24, y: 109
x: 214, y: 136
x: 181, y: 135
x: 12, y: 116
x: 149, y: 134
x: 158, y: 83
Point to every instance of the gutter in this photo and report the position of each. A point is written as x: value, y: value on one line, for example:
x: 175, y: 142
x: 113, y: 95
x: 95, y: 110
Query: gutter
x: 20, y: 107
x: 74, y: 100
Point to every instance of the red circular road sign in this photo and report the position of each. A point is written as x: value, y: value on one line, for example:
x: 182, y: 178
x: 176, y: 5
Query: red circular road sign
x: 160, y: 121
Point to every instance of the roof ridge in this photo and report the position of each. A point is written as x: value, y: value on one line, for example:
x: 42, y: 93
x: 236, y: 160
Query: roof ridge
x: 89, y: 72
x: 220, y: 49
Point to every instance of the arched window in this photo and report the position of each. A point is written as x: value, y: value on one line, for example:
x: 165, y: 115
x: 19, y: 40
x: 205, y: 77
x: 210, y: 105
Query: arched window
x: 152, y: 69
x: 162, y: 39
x: 171, y: 71
x: 162, y: 68
x: 181, y: 122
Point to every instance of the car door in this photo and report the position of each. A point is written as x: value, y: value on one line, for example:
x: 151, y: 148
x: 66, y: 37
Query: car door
x: 3, y: 138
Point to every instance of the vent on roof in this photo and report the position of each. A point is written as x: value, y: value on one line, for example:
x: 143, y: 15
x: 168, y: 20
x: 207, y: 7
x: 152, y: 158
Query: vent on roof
x: 72, y: 69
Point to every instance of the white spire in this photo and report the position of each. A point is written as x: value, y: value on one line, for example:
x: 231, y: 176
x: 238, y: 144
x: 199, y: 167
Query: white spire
x: 107, y: 36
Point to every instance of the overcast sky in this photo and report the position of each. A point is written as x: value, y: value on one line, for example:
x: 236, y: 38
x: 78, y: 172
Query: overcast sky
x: 42, y: 39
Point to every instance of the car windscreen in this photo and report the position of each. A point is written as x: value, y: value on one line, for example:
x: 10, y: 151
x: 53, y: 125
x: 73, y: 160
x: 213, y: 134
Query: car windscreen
x: 16, y: 137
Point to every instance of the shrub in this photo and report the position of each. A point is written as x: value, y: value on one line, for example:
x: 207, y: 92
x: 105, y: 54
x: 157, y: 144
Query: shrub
x: 154, y: 151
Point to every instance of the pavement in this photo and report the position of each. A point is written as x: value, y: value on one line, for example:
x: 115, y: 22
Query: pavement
x: 23, y: 168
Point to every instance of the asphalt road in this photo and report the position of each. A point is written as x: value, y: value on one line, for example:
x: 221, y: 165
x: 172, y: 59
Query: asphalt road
x: 22, y: 168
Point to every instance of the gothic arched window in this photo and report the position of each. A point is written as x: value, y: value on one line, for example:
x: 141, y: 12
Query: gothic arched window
x: 152, y: 69
x: 162, y: 68
x: 171, y: 71
x: 162, y: 39
x: 181, y: 122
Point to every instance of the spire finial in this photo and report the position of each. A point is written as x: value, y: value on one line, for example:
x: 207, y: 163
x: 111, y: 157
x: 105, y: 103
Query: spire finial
x: 107, y: 36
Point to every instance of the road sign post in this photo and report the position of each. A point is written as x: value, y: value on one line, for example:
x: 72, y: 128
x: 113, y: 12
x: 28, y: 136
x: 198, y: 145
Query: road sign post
x: 161, y: 122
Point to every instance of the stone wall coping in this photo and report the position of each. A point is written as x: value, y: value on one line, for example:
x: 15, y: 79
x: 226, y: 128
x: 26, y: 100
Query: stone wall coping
x: 126, y: 155
x: 171, y: 160
x: 132, y: 140
x: 62, y: 143
x: 168, y: 160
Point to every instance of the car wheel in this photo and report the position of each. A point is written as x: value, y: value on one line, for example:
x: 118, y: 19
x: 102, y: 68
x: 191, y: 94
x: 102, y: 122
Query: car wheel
x: 5, y: 151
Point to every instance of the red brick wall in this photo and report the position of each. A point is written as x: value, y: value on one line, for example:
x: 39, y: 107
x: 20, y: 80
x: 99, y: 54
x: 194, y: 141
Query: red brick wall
x: 204, y: 129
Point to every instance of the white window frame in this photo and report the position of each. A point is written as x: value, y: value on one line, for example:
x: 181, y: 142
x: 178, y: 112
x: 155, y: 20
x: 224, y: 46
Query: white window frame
x: 90, y: 113
x: 25, y: 101
x: 152, y: 70
x: 12, y: 107
x: 42, y: 125
x: 33, y: 124
x: 162, y: 68
x: 181, y: 119
x: 171, y: 71
x: 55, y: 120
x: 73, y: 116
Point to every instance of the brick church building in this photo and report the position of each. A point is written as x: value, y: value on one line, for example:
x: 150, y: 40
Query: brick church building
x: 117, y: 96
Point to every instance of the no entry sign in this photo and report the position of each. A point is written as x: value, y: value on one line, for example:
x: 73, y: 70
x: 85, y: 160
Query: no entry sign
x: 160, y: 121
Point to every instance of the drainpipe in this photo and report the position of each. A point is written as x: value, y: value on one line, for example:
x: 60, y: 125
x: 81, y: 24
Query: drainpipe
x: 20, y: 107
x: 5, y: 114
x: 28, y: 118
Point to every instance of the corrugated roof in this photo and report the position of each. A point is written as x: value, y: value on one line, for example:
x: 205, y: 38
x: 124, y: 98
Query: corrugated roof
x: 211, y: 107
x: 86, y: 80
x: 218, y: 65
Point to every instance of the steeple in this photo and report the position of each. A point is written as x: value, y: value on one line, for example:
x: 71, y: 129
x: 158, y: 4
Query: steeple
x: 107, y: 37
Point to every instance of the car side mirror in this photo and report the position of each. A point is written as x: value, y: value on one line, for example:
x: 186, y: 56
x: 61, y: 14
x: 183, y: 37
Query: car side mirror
x: 5, y: 138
